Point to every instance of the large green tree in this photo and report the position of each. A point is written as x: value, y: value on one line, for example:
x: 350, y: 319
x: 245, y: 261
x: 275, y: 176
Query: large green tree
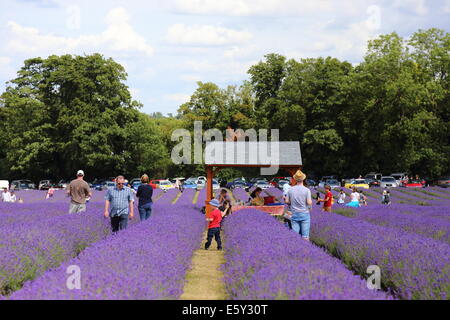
x: 69, y: 112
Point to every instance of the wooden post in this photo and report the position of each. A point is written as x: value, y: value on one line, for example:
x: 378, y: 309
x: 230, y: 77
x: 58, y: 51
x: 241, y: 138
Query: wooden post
x: 209, y: 189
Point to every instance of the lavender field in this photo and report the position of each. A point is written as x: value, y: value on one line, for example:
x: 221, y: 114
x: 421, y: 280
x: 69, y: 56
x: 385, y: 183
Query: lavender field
x: 408, y: 240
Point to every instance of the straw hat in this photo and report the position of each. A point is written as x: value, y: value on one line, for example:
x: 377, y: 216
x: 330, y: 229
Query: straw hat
x: 299, y: 176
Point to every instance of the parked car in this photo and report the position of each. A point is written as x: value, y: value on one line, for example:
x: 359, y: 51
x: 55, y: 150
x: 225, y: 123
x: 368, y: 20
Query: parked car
x: 46, y: 184
x: 333, y: 183
x: 62, y: 184
x: 135, y: 185
x: 444, y: 182
x: 4, y: 184
x: 189, y: 184
x: 237, y: 183
x: 275, y: 181
x: 132, y: 181
x: 155, y: 183
x: 110, y: 185
x: 22, y: 185
x: 311, y: 182
x: 357, y: 183
x: 413, y: 183
x: 399, y: 177
x: 281, y: 183
x: 98, y: 184
x: 263, y: 184
x: 373, y: 183
x: 373, y: 176
x: 388, y: 182
x: 166, y: 185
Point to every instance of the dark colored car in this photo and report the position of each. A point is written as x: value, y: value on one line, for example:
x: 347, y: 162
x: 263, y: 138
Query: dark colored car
x: 311, y: 183
x: 237, y: 183
x: 443, y: 182
x: 373, y: 182
x: 99, y: 184
x: 22, y: 185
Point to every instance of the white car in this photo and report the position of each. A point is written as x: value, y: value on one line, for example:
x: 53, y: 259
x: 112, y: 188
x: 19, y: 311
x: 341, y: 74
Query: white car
x: 388, y: 182
x: 166, y: 185
x: 399, y: 177
x: 200, y: 184
x: 4, y: 184
x: 263, y: 184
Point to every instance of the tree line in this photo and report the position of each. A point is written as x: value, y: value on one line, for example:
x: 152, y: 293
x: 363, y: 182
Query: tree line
x: 389, y: 113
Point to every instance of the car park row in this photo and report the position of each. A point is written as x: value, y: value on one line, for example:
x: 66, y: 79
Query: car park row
x: 370, y: 180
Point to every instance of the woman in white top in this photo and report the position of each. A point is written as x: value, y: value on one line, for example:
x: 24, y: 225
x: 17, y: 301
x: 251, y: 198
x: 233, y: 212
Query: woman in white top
x: 354, y: 199
x: 341, y: 198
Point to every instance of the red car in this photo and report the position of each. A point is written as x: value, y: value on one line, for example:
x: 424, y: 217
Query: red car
x: 414, y: 184
x: 155, y: 183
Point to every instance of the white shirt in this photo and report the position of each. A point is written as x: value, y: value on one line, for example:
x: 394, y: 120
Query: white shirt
x: 354, y: 196
x: 341, y: 197
x: 13, y: 198
x: 6, y: 196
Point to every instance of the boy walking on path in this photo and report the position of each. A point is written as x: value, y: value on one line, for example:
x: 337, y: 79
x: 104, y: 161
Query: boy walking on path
x: 119, y: 205
x: 78, y: 191
x: 215, y: 218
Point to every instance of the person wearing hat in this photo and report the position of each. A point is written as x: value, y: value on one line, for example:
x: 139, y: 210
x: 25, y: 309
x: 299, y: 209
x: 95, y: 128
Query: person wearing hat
x: 78, y: 191
x: 214, y: 220
x: 300, y: 202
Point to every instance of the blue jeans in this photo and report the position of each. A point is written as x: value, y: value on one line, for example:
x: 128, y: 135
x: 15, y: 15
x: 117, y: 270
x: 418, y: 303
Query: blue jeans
x: 145, y: 211
x: 119, y: 222
x: 301, y: 223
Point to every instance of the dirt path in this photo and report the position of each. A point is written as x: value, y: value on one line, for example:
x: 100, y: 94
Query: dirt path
x: 204, y: 280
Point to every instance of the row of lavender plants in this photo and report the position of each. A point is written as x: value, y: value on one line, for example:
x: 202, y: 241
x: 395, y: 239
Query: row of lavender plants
x: 147, y: 261
x: 31, y: 247
x: 430, y: 222
x: 264, y: 260
x: 413, y: 266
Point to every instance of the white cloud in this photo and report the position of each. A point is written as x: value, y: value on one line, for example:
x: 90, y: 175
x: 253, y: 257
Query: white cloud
x: 6, y: 70
x: 251, y: 7
x: 205, y: 35
x: 177, y: 97
x: 418, y: 6
x: 119, y: 37
x: 447, y: 6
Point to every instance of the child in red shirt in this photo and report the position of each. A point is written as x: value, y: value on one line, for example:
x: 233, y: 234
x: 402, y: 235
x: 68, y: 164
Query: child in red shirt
x: 328, y: 200
x: 215, y: 218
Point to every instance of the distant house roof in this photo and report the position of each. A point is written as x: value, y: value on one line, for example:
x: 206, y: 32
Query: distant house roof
x: 282, y: 153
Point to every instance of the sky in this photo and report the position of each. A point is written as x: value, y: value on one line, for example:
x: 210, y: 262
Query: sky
x: 167, y: 46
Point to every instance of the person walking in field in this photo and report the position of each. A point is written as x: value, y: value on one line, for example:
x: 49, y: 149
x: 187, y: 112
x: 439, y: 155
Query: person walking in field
x: 13, y: 197
x: 299, y: 199
x: 386, y: 197
x: 327, y: 200
x: 50, y: 192
x: 119, y: 205
x: 145, y: 193
x: 214, y: 220
x: 78, y: 191
x: 6, y: 195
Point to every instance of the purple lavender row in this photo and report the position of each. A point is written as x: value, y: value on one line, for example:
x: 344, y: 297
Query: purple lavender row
x: 412, y: 266
x: 148, y: 261
x: 240, y: 195
x: 200, y: 199
x: 423, y: 222
x: 27, y: 212
x: 275, y: 263
x: 28, y: 249
x: 186, y: 197
x: 168, y: 197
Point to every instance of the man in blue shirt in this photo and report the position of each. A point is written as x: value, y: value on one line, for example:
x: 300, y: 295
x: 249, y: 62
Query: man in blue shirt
x: 119, y: 205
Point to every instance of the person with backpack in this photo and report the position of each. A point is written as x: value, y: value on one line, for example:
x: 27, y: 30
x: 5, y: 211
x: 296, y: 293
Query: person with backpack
x: 386, y: 197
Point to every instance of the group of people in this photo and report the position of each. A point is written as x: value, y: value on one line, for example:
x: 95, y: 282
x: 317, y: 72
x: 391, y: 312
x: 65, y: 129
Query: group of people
x: 119, y: 201
x: 10, y: 196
